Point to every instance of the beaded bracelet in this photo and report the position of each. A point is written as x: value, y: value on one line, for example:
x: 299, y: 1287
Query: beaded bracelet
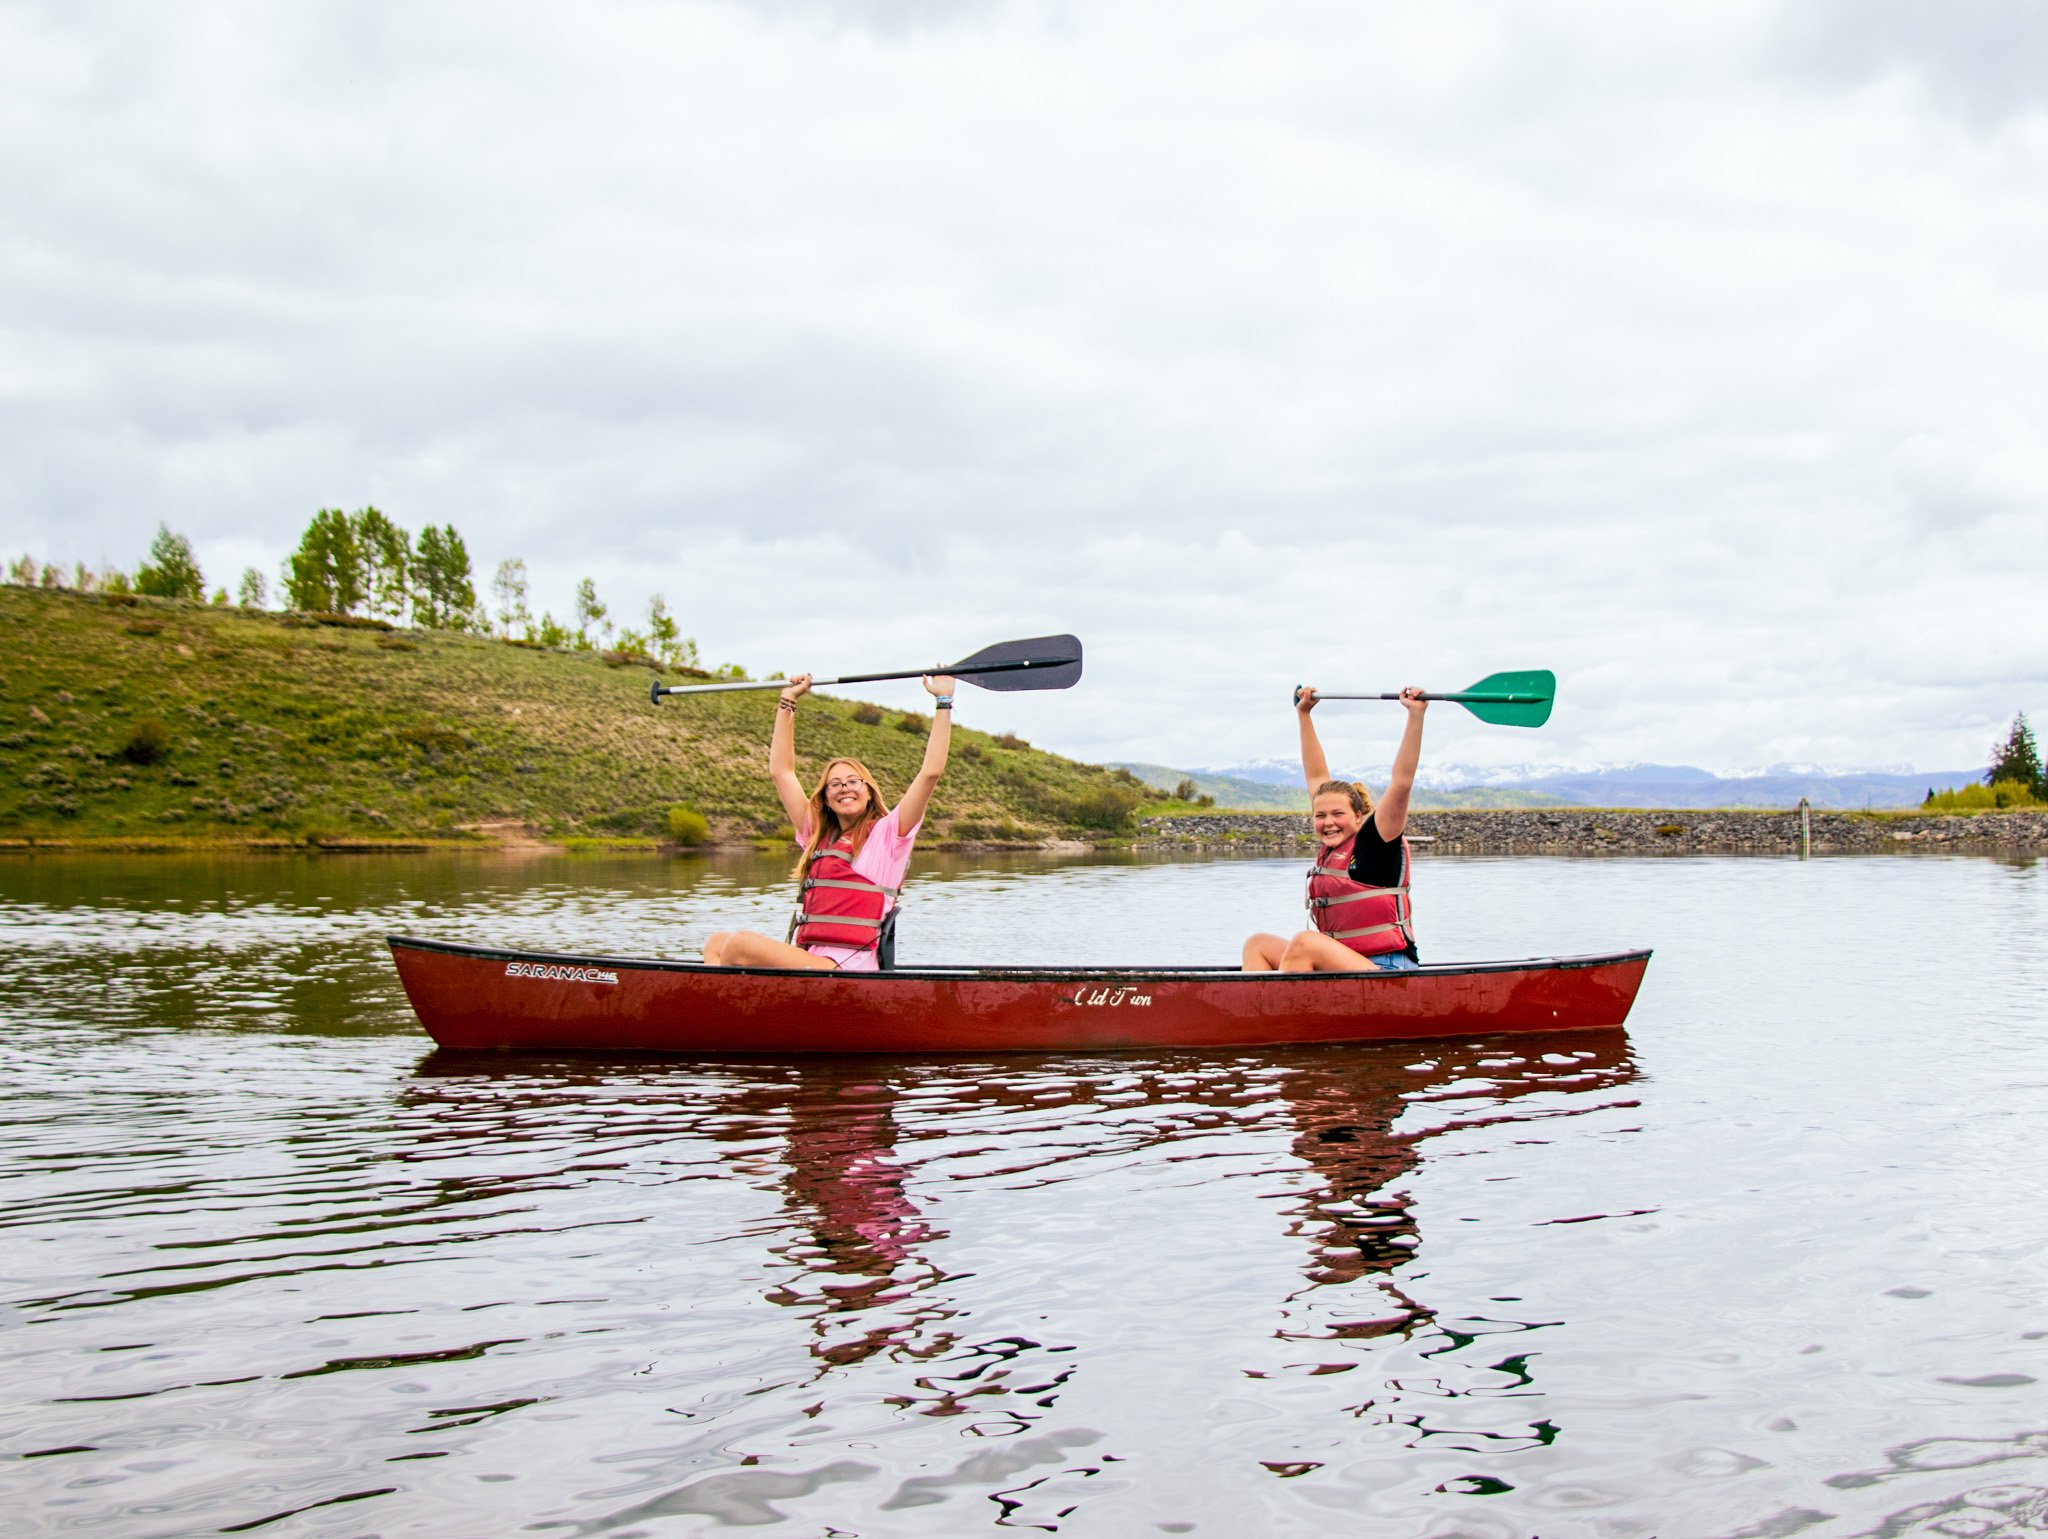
x: 942, y: 703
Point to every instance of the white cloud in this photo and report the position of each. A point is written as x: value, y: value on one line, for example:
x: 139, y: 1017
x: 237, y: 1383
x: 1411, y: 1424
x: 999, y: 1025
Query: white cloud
x: 1694, y: 352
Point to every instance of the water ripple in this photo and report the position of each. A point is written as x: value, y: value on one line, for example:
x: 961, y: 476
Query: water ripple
x: 271, y: 1266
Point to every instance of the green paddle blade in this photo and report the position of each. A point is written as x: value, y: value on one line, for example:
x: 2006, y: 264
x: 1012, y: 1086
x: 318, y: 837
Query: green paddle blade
x: 1530, y: 694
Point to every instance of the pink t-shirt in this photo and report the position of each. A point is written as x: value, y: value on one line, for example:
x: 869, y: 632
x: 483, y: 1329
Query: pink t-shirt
x: 883, y: 860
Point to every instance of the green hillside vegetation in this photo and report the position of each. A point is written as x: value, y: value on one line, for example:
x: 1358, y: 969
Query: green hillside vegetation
x: 2000, y: 796
x: 145, y: 720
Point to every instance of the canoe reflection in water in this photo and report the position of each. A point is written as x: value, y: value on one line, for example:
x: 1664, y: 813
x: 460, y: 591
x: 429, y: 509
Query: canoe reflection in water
x: 854, y: 1140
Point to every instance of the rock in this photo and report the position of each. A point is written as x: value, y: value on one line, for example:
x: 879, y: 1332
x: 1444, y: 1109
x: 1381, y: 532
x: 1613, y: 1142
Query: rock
x: 1556, y: 831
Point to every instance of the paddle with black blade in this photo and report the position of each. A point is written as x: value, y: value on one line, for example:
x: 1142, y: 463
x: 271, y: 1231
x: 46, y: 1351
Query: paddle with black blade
x: 1505, y: 699
x: 1041, y: 662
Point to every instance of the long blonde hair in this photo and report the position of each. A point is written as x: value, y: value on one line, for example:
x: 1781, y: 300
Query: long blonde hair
x: 821, y: 814
x: 1361, y: 798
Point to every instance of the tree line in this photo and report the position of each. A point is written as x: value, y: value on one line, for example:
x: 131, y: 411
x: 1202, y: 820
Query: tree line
x: 365, y: 563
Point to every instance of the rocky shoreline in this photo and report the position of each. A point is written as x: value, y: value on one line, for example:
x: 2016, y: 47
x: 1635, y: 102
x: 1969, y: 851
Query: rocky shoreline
x: 1571, y: 831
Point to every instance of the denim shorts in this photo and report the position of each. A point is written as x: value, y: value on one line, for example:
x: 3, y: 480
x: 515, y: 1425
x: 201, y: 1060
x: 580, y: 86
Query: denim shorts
x: 1394, y: 962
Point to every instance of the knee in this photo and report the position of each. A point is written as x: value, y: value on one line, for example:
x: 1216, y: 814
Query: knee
x: 714, y: 946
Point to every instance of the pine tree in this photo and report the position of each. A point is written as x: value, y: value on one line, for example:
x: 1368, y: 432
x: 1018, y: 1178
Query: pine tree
x: 386, y: 554
x: 325, y: 574
x: 2017, y: 759
x: 443, y: 594
x: 171, y: 571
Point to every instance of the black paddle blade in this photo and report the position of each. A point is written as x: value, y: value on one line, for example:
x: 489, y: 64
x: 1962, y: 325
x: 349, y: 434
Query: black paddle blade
x: 1043, y: 662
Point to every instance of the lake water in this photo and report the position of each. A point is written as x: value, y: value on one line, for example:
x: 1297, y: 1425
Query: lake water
x: 1775, y: 1262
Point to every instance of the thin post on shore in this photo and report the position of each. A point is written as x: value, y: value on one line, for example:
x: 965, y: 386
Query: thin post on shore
x: 1805, y: 829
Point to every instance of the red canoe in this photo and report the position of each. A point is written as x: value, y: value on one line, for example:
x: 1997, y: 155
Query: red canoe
x: 488, y: 997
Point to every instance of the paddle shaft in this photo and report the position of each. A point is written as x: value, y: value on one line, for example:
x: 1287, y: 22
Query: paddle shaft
x: 955, y: 671
x: 1463, y: 697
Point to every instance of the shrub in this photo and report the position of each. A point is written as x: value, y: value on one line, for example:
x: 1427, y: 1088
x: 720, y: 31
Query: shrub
x: 148, y: 741
x: 1010, y: 740
x: 1007, y: 831
x: 144, y: 627
x: 971, y: 752
x: 1108, y: 807
x: 1185, y: 791
x: 686, y: 825
x: 868, y: 715
x: 1982, y: 798
x: 910, y: 721
x: 625, y: 657
x: 397, y: 644
x: 434, y: 739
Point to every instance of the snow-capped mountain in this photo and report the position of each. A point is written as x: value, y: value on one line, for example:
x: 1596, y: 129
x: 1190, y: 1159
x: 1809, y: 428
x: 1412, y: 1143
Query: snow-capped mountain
x: 1647, y: 785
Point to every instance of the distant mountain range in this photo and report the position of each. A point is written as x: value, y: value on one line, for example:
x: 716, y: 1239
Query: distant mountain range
x: 1275, y: 785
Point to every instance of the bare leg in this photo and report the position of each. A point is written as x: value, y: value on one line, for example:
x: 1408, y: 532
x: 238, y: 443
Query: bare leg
x: 743, y: 948
x: 1262, y: 953
x: 1314, y: 952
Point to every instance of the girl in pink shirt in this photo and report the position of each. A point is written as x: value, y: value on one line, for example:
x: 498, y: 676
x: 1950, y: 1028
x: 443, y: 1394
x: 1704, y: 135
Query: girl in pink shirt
x: 845, y: 812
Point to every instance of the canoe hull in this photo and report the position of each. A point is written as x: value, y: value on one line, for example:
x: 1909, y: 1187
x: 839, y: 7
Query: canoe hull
x: 476, y: 997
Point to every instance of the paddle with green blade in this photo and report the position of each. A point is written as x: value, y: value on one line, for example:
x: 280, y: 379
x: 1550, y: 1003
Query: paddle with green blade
x: 1040, y: 662
x: 1520, y: 699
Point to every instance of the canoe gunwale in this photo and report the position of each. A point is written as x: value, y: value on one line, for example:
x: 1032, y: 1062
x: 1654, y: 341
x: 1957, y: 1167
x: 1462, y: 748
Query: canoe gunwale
x: 1198, y: 973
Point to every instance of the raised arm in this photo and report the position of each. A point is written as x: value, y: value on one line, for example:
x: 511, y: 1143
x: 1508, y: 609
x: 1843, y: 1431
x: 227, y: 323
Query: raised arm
x: 1315, y: 765
x: 782, y: 752
x: 910, y: 811
x: 1390, y: 815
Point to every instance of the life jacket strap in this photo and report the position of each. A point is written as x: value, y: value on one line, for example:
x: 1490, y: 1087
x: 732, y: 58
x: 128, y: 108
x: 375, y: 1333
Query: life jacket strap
x: 1378, y: 929
x: 828, y: 881
x: 1356, y: 897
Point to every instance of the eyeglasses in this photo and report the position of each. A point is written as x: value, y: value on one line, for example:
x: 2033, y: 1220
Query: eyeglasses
x: 845, y: 785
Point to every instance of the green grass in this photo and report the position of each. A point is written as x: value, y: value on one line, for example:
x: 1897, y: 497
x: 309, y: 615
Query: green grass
x: 277, y: 728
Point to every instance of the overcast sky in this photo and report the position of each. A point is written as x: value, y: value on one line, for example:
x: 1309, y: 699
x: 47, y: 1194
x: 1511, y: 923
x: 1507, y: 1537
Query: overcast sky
x: 1696, y: 351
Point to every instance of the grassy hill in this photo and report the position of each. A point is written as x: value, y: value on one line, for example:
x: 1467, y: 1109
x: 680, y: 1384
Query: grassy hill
x: 1232, y: 793
x: 281, y: 727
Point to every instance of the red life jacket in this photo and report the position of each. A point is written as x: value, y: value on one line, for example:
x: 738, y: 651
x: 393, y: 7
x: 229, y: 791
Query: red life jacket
x: 1370, y: 920
x: 836, y: 905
